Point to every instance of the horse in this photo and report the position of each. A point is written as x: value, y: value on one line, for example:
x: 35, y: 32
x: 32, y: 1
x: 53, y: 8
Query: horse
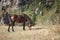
x: 19, y: 19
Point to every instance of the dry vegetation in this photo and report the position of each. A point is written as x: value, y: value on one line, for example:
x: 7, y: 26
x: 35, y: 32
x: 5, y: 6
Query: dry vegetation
x: 38, y: 32
x: 51, y: 32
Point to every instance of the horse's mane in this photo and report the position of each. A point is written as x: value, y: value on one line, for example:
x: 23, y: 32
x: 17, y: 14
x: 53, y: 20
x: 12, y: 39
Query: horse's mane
x: 29, y: 19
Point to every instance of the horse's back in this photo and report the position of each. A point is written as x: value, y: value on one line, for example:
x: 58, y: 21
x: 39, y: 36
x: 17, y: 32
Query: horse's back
x: 17, y: 18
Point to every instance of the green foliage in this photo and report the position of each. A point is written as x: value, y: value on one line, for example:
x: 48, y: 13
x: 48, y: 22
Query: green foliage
x: 29, y: 10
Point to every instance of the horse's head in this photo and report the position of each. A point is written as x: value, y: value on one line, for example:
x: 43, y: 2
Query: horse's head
x: 30, y: 24
x: 28, y: 20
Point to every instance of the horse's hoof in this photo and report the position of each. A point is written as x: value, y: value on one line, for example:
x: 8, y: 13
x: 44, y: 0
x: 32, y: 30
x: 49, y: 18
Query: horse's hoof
x: 24, y: 29
x: 8, y: 31
x: 30, y: 29
x: 13, y: 30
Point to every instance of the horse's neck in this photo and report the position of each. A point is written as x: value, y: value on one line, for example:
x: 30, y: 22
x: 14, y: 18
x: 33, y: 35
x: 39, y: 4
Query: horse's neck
x: 18, y: 16
x: 28, y: 19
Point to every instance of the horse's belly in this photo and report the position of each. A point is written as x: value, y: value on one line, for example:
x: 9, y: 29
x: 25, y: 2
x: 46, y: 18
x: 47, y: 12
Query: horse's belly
x: 19, y: 21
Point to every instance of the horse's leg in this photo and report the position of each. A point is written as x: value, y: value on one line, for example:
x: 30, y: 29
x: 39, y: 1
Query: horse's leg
x: 24, y: 26
x: 9, y: 28
x: 13, y: 27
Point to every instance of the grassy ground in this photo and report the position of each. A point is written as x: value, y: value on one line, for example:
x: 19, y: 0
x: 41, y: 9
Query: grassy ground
x: 37, y: 33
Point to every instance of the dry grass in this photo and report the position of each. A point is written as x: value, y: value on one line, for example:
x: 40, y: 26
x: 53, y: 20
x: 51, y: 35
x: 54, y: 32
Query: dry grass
x: 37, y: 33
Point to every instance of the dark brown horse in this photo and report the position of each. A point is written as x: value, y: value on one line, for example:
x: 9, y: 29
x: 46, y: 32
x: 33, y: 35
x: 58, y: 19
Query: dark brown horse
x: 20, y: 19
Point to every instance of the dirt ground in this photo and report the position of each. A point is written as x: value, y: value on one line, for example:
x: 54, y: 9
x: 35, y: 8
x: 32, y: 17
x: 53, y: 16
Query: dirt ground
x: 51, y: 32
